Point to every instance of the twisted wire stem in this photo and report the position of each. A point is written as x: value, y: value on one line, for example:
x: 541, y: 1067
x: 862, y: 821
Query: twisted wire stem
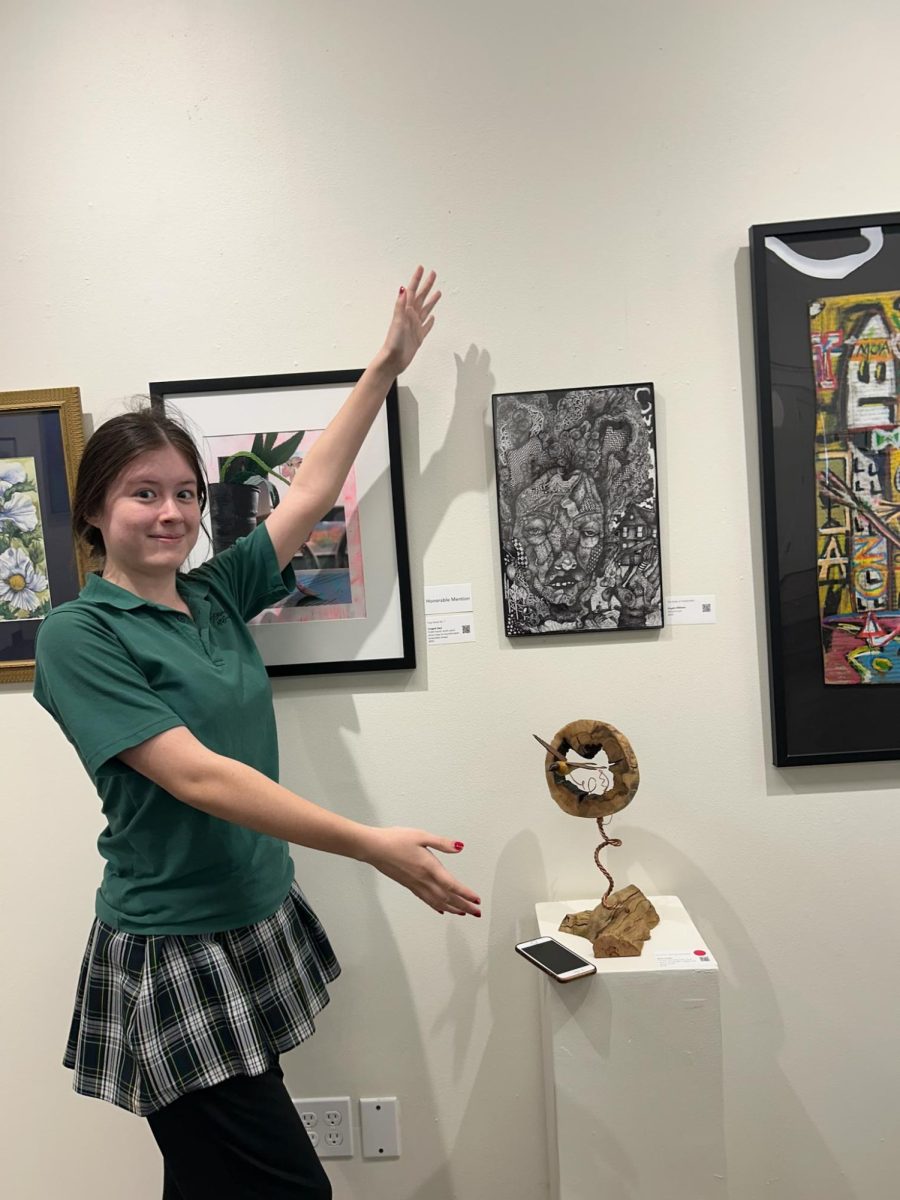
x: 607, y: 841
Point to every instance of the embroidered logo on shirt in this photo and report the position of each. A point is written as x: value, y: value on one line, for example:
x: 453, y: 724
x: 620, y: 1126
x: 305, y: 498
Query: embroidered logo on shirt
x: 219, y: 619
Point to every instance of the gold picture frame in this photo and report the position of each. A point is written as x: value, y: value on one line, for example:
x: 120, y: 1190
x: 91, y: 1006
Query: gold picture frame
x: 41, y: 443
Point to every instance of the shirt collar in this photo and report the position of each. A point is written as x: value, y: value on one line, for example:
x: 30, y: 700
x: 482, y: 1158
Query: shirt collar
x: 98, y: 590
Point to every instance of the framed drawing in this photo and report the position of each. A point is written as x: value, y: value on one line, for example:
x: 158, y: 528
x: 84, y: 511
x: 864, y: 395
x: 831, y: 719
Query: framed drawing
x: 826, y: 307
x: 352, y: 607
x: 578, y: 510
x: 41, y: 441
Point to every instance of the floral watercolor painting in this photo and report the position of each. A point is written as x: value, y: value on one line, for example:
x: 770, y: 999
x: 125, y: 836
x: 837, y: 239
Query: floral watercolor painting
x: 329, y: 566
x: 24, y: 586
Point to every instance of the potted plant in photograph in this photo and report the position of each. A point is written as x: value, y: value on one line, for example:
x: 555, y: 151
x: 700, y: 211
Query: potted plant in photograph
x: 243, y: 494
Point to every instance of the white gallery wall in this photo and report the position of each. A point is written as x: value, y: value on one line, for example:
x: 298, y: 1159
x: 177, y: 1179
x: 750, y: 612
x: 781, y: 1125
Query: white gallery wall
x: 196, y: 188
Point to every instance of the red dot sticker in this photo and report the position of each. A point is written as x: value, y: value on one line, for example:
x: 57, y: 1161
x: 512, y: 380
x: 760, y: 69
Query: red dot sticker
x: 700, y: 953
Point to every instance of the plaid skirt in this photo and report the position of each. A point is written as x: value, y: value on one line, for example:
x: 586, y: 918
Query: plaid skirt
x: 160, y: 1015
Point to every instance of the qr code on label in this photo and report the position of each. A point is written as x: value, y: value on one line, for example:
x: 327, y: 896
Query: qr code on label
x: 707, y: 608
x: 467, y: 628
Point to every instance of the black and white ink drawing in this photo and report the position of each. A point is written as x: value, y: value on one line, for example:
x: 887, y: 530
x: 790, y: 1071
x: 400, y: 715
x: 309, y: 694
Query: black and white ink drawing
x: 578, y: 507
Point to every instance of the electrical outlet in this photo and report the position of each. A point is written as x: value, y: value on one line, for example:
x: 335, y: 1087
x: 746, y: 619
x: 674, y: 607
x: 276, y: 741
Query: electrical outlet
x: 327, y: 1121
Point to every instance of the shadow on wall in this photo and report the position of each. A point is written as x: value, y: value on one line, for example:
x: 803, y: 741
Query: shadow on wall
x: 773, y: 1147
x: 491, y: 1137
x: 356, y: 1047
x: 513, y: 989
x: 370, y: 947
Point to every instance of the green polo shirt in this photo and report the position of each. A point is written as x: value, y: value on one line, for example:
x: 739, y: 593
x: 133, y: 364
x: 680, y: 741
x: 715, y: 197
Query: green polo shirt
x: 115, y: 670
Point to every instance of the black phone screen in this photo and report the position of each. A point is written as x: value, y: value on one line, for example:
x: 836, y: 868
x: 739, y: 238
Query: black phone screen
x: 554, y: 957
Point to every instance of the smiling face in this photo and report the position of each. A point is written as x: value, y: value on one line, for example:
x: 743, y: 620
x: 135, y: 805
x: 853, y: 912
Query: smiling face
x: 150, y: 517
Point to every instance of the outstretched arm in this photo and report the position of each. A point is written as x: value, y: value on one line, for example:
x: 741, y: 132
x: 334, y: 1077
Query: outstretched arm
x: 184, y: 767
x: 321, y: 475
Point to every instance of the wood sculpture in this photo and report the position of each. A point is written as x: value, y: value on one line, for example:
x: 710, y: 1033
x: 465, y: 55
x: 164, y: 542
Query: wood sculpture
x: 621, y: 922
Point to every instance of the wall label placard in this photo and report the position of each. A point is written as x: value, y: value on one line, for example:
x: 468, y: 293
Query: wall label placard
x: 691, y: 610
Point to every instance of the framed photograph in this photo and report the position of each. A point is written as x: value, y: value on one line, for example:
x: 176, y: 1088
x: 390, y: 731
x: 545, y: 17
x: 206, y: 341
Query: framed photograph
x: 352, y: 606
x: 826, y: 307
x: 578, y: 510
x: 41, y: 442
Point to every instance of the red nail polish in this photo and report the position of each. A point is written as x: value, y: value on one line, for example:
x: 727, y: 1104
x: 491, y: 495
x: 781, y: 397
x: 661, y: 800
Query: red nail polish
x: 459, y: 846
x: 402, y: 290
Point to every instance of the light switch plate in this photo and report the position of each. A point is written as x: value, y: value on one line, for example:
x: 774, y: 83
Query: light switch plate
x: 379, y: 1125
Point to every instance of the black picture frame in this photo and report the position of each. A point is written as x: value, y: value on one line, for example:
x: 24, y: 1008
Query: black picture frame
x: 577, y: 474
x: 41, y: 443
x: 373, y: 554
x: 812, y: 721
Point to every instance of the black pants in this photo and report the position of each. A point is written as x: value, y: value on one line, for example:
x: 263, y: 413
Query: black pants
x: 239, y: 1140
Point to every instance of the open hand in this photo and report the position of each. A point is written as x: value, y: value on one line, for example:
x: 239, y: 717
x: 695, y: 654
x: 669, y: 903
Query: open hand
x: 412, y: 320
x: 405, y: 855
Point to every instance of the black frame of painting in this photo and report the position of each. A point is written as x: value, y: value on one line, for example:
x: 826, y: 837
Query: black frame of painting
x: 50, y: 425
x: 507, y: 621
x: 812, y: 722
x: 387, y: 521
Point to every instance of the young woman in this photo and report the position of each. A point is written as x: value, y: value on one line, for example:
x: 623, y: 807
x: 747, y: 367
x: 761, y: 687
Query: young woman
x: 205, y: 962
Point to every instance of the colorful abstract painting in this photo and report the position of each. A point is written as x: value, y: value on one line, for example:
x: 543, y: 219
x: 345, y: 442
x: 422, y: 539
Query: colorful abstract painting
x: 329, y: 566
x: 24, y: 585
x: 579, y: 522
x: 856, y: 351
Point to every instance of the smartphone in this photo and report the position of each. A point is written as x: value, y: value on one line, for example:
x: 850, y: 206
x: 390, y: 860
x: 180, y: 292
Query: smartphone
x: 557, y: 960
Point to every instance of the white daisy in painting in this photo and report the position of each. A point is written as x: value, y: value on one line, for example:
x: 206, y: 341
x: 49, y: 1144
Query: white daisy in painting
x: 20, y: 581
x: 17, y: 510
x: 10, y: 473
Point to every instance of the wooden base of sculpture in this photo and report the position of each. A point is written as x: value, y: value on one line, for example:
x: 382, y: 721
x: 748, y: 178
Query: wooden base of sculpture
x: 619, y: 931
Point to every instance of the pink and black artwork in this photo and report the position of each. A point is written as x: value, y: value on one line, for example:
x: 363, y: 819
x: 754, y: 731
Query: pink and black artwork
x: 328, y: 568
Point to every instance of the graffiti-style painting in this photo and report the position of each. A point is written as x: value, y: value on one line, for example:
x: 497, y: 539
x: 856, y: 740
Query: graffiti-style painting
x: 578, y: 510
x: 328, y: 567
x: 24, y: 583
x: 856, y: 351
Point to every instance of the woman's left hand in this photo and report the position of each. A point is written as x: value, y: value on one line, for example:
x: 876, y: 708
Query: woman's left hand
x: 412, y: 320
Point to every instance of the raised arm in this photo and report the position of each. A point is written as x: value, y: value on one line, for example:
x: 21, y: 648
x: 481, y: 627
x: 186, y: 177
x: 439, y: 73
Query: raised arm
x: 232, y: 791
x: 321, y: 475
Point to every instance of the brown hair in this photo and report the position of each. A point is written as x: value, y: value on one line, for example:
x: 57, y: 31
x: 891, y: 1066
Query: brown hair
x: 109, y: 451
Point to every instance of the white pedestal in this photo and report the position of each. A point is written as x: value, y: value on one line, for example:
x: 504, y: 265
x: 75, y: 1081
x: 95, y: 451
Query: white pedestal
x: 633, y: 1067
